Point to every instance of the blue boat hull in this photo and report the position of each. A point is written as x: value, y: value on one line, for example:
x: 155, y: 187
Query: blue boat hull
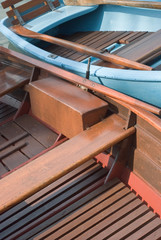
x: 143, y: 85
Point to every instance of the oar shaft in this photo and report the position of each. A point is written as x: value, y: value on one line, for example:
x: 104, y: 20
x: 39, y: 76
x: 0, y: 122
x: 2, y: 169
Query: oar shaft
x: 80, y: 48
x: 130, y: 3
x: 71, y: 77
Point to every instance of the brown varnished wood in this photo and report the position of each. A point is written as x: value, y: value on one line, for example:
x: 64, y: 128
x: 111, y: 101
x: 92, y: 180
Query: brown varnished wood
x: 41, y: 4
x: 12, y: 78
x: 78, y: 80
x: 142, y: 4
x: 140, y: 50
x: 79, y: 149
x: 80, y: 48
x: 65, y: 107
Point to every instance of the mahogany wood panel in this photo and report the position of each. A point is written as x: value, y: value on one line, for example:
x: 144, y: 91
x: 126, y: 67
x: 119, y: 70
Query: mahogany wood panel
x: 37, y: 130
x: 108, y: 211
x: 8, y: 3
x: 143, y: 48
x: 62, y: 185
x: 39, y: 173
x: 56, y: 199
x: 25, y: 7
x: 64, y: 106
x: 12, y: 78
x: 145, y: 167
x: 149, y: 145
x: 3, y: 169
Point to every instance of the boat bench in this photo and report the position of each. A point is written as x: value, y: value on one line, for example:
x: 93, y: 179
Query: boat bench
x: 56, y: 163
x: 144, y: 50
x: 28, y: 11
x: 80, y: 206
x: 12, y: 78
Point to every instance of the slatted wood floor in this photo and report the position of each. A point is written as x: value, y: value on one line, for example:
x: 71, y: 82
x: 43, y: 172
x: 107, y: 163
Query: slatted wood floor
x: 80, y: 206
x: 33, y: 138
x: 98, y: 40
x: 6, y: 111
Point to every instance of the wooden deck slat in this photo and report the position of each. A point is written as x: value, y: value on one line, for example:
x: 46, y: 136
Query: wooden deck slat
x: 42, y: 138
x: 64, y: 181
x: 98, y: 44
x: 141, y: 232
x: 120, y: 209
x: 90, y: 218
x: 56, y: 201
x: 143, y: 48
x: 56, y: 197
x: 131, y: 37
x: 40, y: 132
x: 3, y: 170
x: 14, y: 160
x: 120, y: 228
x: 82, y: 40
x: 102, y: 136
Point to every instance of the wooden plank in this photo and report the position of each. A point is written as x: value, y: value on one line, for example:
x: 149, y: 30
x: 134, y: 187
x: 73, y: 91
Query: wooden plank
x: 8, y: 3
x: 33, y: 13
x: 93, y: 215
x: 151, y: 226
x: 12, y: 78
x: 55, y: 200
x: 146, y: 142
x: 27, y: 17
x: 131, y: 37
x: 14, y: 160
x: 3, y: 169
x: 143, y: 48
x: 115, y: 230
x: 77, y: 150
x: 38, y: 130
x: 24, y: 7
x: 66, y: 181
x: 142, y: 165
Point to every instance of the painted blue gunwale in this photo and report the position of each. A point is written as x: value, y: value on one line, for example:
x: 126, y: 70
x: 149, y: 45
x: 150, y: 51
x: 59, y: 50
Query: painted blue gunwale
x: 143, y: 85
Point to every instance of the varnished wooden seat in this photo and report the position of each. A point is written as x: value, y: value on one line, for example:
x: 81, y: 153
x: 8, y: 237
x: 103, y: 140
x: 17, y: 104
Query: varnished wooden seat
x: 26, y: 11
x: 61, y: 160
x: 12, y: 78
x: 143, y: 50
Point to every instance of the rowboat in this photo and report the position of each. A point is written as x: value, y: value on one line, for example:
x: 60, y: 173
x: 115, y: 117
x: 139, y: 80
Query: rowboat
x: 104, y: 32
x: 75, y: 163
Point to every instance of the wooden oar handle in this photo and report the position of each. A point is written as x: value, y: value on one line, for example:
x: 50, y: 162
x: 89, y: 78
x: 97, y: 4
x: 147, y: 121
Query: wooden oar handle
x: 80, y: 48
x: 130, y: 3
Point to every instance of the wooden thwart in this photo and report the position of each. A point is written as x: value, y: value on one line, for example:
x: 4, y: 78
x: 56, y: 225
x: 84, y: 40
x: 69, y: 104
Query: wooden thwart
x: 54, y: 164
x: 19, y: 13
x: 142, y: 49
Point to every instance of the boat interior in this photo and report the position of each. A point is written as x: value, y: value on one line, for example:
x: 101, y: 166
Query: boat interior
x: 125, y: 36
x: 74, y: 164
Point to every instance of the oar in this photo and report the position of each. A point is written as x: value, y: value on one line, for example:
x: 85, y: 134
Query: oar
x: 130, y: 3
x: 80, y: 48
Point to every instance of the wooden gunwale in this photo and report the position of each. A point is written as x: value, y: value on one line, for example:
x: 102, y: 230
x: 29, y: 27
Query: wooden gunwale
x: 85, y: 198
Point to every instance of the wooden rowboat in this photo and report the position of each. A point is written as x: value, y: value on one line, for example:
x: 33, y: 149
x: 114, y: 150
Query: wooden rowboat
x: 131, y: 33
x: 75, y: 163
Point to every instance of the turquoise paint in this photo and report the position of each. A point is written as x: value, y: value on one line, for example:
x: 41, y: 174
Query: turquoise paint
x: 143, y: 85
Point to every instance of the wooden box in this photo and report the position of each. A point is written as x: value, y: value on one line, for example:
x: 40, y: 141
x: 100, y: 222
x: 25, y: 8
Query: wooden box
x: 65, y: 107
